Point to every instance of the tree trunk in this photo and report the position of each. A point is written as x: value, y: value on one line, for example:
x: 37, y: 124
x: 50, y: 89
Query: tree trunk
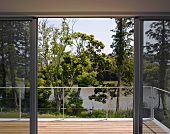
x: 3, y: 79
x: 26, y: 99
x: 14, y: 92
x: 165, y: 109
x: 159, y: 100
x: 78, y: 94
x: 119, y: 63
x: 57, y: 98
x: 118, y: 91
x: 58, y: 94
x: 3, y: 69
x: 162, y: 70
x: 26, y: 78
x: 3, y: 84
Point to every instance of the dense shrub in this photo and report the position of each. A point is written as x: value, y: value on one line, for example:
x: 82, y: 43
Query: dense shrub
x: 101, y: 113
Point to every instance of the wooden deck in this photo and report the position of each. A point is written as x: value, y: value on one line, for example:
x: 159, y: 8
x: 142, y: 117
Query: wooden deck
x: 78, y: 127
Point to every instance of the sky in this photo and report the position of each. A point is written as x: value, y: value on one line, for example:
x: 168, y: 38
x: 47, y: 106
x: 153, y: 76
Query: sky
x: 99, y: 27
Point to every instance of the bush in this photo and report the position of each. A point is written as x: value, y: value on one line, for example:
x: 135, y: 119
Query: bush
x: 120, y: 114
x: 73, y: 108
x: 101, y: 113
x: 164, y: 119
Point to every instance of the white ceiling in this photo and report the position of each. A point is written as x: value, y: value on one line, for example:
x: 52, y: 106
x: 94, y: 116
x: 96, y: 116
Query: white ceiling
x: 84, y: 7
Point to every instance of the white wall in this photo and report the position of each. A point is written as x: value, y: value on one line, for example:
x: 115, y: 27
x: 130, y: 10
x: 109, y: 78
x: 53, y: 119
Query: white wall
x: 81, y: 7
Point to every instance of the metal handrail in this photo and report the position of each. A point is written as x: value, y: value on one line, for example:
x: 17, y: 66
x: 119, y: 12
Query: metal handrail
x: 69, y: 87
x: 162, y: 90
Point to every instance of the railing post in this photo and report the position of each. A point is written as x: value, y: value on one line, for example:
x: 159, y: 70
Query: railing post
x: 108, y: 105
x: 63, y: 103
x: 151, y: 105
x: 152, y: 102
x: 20, y: 104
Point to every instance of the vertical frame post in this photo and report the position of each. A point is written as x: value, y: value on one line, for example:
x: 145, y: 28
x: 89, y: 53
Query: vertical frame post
x: 63, y: 103
x: 141, y: 77
x: 33, y: 78
x: 20, y: 104
x: 138, y: 80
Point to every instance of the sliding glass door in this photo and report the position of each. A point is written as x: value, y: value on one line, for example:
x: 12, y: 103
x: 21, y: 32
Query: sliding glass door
x: 18, y: 76
x: 156, y: 73
x: 15, y: 63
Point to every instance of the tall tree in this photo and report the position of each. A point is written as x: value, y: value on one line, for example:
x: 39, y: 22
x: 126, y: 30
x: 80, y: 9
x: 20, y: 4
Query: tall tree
x: 123, y: 51
x: 88, y: 49
x: 13, y: 43
x: 158, y: 49
x: 52, y: 47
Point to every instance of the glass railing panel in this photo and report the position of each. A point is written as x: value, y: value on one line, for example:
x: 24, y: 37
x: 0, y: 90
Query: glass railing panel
x: 122, y: 106
x: 156, y: 104
x: 85, y: 102
x: 94, y: 105
x: 147, y: 102
x: 14, y: 107
x: 50, y: 102
x: 161, y: 106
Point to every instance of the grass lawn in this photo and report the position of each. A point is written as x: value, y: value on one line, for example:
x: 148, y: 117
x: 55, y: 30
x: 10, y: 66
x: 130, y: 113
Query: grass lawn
x: 16, y: 115
x: 9, y: 115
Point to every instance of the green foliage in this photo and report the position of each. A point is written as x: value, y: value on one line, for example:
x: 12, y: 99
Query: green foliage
x: 52, y: 49
x: 86, y: 79
x: 167, y: 80
x: 101, y: 94
x: 13, y: 114
x: 87, y: 42
x: 120, y: 114
x: 43, y: 81
x: 51, y: 115
x: 158, y: 52
x: 164, y: 119
x: 58, y: 65
x: 151, y: 73
x: 123, y: 49
x: 85, y: 66
x: 15, y: 58
x: 123, y: 53
x: 101, y: 113
x: 73, y: 107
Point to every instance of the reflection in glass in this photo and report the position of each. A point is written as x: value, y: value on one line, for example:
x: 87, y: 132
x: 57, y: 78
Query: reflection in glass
x: 14, y: 68
x: 156, y: 70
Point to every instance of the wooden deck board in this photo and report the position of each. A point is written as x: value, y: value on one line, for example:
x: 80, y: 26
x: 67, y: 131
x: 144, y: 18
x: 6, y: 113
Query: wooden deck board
x: 78, y: 127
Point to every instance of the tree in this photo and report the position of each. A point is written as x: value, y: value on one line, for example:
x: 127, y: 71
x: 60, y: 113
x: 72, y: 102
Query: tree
x: 123, y: 52
x: 44, y: 42
x: 52, y: 48
x: 75, y: 72
x: 88, y: 50
x: 158, y: 50
x: 14, y: 44
x: 150, y: 73
x: 83, y: 65
x: 43, y: 81
x: 74, y: 108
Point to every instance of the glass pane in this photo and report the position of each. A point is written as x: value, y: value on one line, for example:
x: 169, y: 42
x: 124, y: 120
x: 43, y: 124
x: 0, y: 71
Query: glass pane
x: 156, y: 73
x: 14, y: 76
